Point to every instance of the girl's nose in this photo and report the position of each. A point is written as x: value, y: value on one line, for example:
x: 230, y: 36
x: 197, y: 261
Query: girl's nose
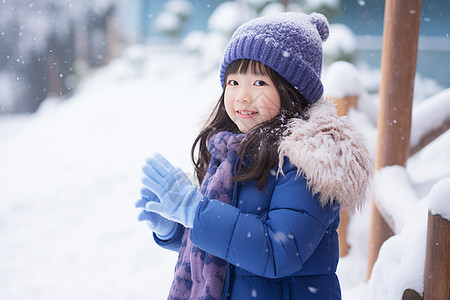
x: 244, y: 96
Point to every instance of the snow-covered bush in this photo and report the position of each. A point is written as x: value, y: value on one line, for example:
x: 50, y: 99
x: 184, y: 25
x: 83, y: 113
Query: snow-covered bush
x: 341, y: 44
x: 277, y: 7
x: 193, y: 41
x: 174, y: 16
x: 227, y: 17
x: 9, y: 87
x: 210, y: 45
x: 338, y: 86
x: 330, y: 8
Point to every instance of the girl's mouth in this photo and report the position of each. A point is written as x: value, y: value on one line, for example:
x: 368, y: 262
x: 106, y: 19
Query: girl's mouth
x: 246, y: 114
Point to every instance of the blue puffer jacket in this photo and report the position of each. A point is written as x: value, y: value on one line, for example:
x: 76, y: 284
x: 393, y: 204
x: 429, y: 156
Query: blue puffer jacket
x: 280, y: 233
x: 281, y: 242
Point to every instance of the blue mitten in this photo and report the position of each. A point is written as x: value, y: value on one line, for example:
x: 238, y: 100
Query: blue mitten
x: 179, y: 198
x: 162, y: 227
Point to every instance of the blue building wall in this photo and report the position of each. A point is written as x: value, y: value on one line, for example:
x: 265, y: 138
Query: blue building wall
x: 365, y: 18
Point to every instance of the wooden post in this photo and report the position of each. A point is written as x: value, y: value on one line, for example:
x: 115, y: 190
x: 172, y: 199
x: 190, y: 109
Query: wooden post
x: 113, y: 46
x: 342, y: 231
x: 398, y: 67
x: 437, y: 259
x: 343, y: 106
x: 54, y: 86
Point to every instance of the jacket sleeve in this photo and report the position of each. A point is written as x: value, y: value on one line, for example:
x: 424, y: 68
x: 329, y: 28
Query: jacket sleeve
x: 174, y: 242
x: 274, y: 246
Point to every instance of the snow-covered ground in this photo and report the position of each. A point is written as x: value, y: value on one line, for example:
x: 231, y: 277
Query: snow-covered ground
x: 70, y: 174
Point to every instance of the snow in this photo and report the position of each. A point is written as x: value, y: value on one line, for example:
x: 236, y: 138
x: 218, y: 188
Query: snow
x: 70, y: 175
x: 277, y: 7
x: 393, y: 182
x: 318, y: 3
x: 172, y: 19
x: 338, y: 86
x: 227, y: 17
x: 352, y: 269
x: 402, y: 257
x: 180, y: 7
x: 438, y: 107
x: 168, y: 22
x: 193, y: 41
x: 341, y: 42
x: 6, y: 81
x: 439, y: 198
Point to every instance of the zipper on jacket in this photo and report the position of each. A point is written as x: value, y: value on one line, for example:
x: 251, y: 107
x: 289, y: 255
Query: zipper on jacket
x: 286, y: 290
x: 226, y: 286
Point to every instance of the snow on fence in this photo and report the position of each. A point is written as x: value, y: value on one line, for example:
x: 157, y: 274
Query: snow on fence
x: 430, y: 119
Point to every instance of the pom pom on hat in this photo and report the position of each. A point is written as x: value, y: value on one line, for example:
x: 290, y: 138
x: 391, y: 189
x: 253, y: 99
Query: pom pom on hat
x: 289, y: 43
x: 321, y: 24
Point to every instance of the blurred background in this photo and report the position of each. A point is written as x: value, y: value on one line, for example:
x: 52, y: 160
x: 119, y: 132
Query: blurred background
x: 48, y: 46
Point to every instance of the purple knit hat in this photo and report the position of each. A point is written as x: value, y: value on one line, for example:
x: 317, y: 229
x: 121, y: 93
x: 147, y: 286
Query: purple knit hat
x: 289, y: 43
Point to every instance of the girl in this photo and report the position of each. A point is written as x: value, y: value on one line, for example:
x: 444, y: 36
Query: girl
x: 275, y: 165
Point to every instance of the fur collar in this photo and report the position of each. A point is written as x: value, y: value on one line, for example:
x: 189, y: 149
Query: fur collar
x: 331, y: 154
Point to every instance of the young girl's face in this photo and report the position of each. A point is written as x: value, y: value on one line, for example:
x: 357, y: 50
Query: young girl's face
x: 250, y: 99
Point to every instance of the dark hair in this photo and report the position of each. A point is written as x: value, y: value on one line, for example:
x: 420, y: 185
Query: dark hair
x: 260, y: 144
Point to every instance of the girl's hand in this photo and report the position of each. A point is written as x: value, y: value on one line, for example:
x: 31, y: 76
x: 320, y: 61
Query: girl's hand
x: 179, y: 198
x: 158, y: 224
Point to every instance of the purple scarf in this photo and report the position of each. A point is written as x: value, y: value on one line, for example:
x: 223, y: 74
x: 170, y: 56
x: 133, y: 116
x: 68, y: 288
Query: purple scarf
x: 200, y: 275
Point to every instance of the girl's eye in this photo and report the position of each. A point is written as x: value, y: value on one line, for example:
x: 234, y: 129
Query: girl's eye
x: 260, y: 83
x: 232, y: 82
